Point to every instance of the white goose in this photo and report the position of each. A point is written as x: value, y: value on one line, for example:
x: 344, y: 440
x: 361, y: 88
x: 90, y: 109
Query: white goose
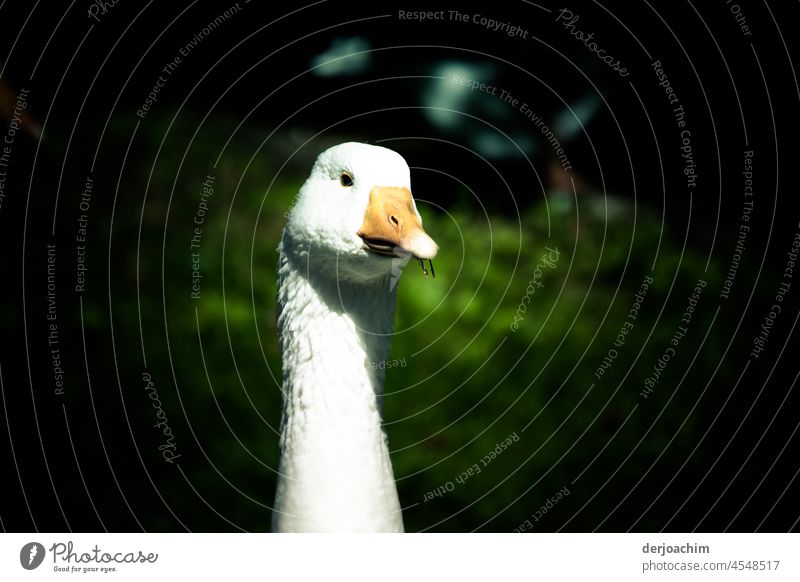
x: 353, y: 224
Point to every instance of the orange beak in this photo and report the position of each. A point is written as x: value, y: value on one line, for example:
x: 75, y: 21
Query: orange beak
x: 391, y: 226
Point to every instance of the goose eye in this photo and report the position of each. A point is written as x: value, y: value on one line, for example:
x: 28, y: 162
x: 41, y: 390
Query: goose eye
x: 346, y: 180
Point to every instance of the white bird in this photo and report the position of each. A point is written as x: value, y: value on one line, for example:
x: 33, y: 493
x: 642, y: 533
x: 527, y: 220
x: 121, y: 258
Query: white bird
x: 353, y: 224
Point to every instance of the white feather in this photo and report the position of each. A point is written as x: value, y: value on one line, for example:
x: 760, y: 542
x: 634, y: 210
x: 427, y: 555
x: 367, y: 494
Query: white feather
x: 335, y: 318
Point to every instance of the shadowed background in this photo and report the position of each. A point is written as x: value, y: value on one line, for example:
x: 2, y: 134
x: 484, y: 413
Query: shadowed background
x: 481, y: 356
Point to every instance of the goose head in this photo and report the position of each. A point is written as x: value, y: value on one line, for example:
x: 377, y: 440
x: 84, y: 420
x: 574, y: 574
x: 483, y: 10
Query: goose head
x: 355, y: 215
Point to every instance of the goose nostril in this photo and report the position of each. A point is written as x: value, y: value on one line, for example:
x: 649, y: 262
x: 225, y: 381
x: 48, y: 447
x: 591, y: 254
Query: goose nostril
x: 394, y: 220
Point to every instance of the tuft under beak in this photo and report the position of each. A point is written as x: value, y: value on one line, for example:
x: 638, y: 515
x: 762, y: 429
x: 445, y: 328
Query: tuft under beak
x: 391, y: 226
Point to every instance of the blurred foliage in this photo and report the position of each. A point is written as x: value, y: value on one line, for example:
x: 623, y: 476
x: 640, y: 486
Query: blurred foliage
x: 470, y: 381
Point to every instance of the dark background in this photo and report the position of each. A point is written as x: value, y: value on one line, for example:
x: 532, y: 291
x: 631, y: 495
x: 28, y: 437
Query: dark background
x: 712, y: 448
